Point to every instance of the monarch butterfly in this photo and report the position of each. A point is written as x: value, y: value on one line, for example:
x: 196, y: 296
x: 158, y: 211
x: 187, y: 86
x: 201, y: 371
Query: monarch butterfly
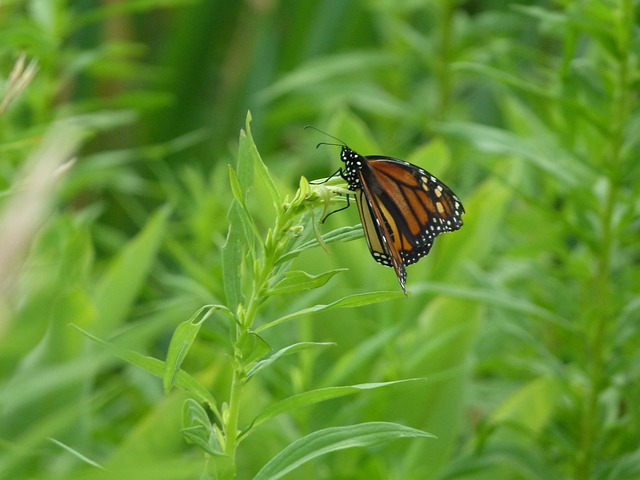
x: 403, y: 208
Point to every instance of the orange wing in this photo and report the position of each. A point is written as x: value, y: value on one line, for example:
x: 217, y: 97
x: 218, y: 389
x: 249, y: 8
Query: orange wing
x: 403, y: 208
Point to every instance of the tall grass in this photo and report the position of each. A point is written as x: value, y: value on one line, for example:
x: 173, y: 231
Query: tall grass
x: 522, y: 326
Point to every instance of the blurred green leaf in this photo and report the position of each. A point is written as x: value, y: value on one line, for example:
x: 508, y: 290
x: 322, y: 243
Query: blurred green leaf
x: 156, y: 368
x: 320, y: 69
x: 531, y: 406
x: 118, y: 288
x: 499, y: 141
x: 361, y: 357
x: 76, y: 454
x: 503, y: 299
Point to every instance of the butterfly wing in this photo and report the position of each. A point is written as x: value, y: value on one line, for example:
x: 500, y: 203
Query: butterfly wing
x: 403, y: 208
x: 379, y: 236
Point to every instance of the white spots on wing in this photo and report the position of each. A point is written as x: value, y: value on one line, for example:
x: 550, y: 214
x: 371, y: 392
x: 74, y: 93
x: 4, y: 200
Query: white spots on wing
x: 425, y: 183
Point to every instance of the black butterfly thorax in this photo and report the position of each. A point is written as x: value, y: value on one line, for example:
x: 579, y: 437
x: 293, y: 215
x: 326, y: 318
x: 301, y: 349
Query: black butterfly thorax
x: 353, y: 164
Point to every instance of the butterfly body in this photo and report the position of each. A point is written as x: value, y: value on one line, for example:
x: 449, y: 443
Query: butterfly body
x: 402, y: 208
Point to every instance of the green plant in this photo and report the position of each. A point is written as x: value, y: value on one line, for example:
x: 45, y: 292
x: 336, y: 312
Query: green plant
x: 568, y: 148
x: 524, y: 323
x: 255, y: 270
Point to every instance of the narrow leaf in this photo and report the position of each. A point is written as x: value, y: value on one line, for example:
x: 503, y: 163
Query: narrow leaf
x: 181, y: 341
x: 232, y: 255
x: 495, y: 140
x: 333, y: 439
x: 357, y: 300
x: 344, y: 234
x: 260, y: 167
x: 316, y: 396
x: 118, y: 288
x: 245, y: 163
x: 236, y: 186
x: 156, y: 367
x: 322, y: 69
x: 298, y: 280
x: 504, y: 299
x: 297, y: 347
x: 76, y: 454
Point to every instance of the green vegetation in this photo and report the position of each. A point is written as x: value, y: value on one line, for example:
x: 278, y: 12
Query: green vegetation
x: 171, y: 307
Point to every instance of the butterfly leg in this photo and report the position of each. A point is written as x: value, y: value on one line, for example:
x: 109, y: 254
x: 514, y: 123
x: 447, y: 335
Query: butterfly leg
x: 334, y: 174
x: 336, y: 211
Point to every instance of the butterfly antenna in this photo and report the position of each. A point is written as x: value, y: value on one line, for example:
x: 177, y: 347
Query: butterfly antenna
x: 341, y: 144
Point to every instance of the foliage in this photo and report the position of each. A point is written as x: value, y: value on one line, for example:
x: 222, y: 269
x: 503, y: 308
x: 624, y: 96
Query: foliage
x: 164, y: 315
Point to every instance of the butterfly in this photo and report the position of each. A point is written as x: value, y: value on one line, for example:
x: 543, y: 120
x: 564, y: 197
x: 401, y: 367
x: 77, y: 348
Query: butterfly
x: 403, y: 208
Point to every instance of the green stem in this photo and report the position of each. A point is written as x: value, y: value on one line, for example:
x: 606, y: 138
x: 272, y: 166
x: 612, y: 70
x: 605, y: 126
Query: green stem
x: 231, y: 419
x: 601, y: 308
x: 231, y: 427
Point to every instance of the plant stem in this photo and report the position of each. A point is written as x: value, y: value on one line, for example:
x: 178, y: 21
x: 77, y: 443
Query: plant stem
x: 231, y: 427
x: 602, y: 314
x: 245, y: 322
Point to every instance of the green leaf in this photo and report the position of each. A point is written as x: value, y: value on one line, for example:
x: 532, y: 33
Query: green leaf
x: 232, y: 257
x: 252, y: 347
x: 181, y: 341
x: 505, y: 77
x: 194, y: 414
x: 76, y: 454
x: 333, y: 439
x: 197, y: 428
x: 156, y: 367
x: 531, y: 406
x: 359, y: 357
x: 236, y: 187
x: 357, y: 300
x: 245, y: 161
x: 298, y: 280
x: 297, y: 347
x: 543, y: 156
x: 344, y: 234
x: 118, y: 288
x: 249, y: 226
x: 317, y: 396
x: 491, y: 296
x: 322, y: 69
x: 260, y: 167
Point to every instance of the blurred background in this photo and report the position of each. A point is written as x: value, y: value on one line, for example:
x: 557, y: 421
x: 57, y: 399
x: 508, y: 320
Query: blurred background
x: 118, y: 120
